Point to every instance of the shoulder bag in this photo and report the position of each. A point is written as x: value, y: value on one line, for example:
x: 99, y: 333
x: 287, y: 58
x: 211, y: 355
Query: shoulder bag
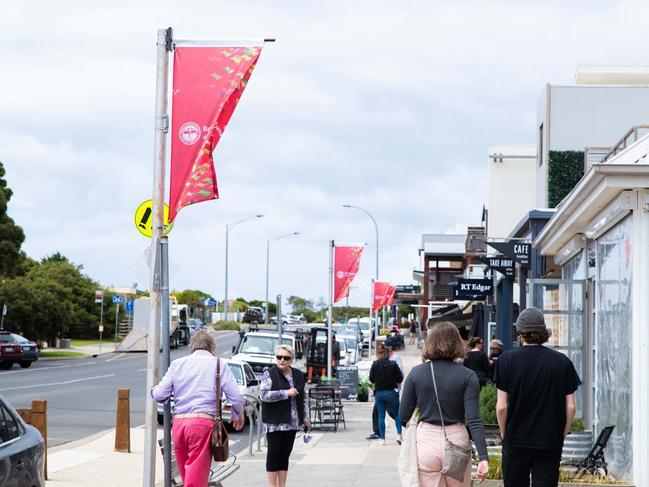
x: 219, y: 442
x: 407, y: 464
x: 456, y: 458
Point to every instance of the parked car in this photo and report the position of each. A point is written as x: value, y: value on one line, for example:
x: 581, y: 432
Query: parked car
x: 10, y: 351
x: 253, y: 314
x: 22, y: 450
x: 257, y: 348
x: 29, y: 350
x: 352, y: 329
x: 366, y: 326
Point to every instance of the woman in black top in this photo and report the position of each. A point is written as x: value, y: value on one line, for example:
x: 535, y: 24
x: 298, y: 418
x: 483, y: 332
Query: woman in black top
x: 459, y: 394
x: 386, y: 375
x: 477, y: 360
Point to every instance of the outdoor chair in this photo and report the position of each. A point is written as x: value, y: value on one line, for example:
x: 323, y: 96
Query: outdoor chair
x: 218, y: 471
x: 595, y: 463
x: 324, y: 411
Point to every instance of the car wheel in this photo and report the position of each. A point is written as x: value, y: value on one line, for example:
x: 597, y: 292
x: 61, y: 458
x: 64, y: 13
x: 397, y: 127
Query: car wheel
x: 25, y: 364
x: 6, y: 365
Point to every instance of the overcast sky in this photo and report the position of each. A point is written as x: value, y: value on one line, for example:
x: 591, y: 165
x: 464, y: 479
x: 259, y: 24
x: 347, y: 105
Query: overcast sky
x: 385, y: 105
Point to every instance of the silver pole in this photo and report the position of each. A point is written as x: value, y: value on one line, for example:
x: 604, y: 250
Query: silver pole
x: 331, y: 306
x: 153, y: 341
x: 280, y: 323
x: 116, y: 322
x: 267, y: 272
x: 227, y: 238
x: 166, y: 355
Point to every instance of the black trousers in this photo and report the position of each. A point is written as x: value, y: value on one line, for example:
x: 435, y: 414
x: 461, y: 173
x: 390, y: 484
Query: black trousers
x: 280, y: 446
x: 518, y: 463
x: 375, y: 417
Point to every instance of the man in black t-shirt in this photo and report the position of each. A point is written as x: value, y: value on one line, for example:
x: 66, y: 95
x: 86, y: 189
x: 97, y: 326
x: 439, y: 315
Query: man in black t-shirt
x: 535, y: 405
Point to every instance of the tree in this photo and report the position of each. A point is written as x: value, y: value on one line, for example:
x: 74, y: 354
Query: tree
x: 11, y: 235
x: 299, y: 305
x: 193, y: 298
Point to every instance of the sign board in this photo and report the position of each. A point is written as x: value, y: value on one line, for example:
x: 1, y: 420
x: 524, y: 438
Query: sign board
x: 500, y: 263
x: 117, y: 299
x: 348, y: 378
x: 408, y: 288
x: 144, y: 218
x: 101, y: 328
x: 210, y: 303
x: 520, y: 252
x: 4, y: 310
x: 129, y: 306
x: 472, y: 288
x: 99, y: 296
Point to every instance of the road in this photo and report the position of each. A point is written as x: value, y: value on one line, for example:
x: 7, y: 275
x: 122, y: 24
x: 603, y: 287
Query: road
x: 81, y: 393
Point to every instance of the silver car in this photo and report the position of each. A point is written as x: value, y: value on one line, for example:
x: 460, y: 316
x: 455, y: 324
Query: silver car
x: 22, y: 450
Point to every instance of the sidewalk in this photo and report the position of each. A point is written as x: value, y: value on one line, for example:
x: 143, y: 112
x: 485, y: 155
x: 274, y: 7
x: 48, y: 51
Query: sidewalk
x: 341, y: 459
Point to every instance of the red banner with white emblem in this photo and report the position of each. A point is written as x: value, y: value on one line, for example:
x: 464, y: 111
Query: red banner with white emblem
x: 390, y: 295
x: 380, y: 293
x: 207, y: 85
x: 347, y: 260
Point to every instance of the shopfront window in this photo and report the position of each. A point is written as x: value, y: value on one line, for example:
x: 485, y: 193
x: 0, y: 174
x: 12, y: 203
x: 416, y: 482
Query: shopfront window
x: 613, y: 339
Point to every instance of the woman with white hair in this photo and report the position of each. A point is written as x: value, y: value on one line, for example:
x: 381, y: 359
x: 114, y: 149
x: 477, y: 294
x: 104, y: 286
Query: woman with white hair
x: 192, y: 381
x: 284, y: 412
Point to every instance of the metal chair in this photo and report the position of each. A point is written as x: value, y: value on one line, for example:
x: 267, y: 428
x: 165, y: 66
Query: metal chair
x: 322, y: 408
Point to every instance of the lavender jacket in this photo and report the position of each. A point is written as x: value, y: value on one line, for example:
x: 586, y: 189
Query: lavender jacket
x: 192, y: 381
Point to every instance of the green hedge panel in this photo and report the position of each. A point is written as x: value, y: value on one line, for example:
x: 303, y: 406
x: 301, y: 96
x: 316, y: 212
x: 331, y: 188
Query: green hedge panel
x: 565, y: 169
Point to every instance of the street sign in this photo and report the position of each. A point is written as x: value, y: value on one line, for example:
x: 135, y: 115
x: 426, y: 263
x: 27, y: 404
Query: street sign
x: 129, y: 306
x: 210, y: 303
x: 520, y: 252
x: 4, y: 309
x: 500, y: 263
x: 117, y: 299
x: 472, y: 288
x: 101, y: 328
x: 144, y: 218
x: 99, y: 296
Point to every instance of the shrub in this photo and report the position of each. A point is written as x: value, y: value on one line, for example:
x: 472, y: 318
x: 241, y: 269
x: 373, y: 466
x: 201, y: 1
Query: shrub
x: 226, y: 325
x: 577, y: 425
x: 488, y: 396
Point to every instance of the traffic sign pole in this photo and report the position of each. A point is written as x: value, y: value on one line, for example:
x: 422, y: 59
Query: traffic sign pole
x: 116, y: 318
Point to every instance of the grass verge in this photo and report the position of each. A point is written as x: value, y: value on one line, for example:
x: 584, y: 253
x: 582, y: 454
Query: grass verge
x: 59, y: 354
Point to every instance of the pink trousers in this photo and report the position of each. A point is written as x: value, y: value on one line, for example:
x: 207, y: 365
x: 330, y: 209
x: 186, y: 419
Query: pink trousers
x: 191, y: 437
x: 430, y: 454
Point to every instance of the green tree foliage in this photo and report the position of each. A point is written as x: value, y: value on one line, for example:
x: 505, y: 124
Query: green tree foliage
x: 53, y: 299
x: 191, y: 297
x: 488, y: 396
x: 272, y: 307
x: 11, y: 235
x: 299, y: 305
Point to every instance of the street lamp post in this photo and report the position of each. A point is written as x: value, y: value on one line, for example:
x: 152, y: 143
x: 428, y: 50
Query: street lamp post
x: 268, y: 242
x: 227, y: 239
x: 376, y: 275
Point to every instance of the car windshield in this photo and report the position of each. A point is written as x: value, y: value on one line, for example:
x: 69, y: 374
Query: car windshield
x: 21, y: 339
x: 364, y: 325
x: 237, y: 371
x: 7, y: 337
x: 351, y: 343
x: 261, y: 344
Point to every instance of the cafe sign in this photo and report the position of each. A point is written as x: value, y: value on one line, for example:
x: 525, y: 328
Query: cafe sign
x: 520, y: 252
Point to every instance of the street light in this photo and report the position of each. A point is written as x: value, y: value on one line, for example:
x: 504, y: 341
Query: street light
x: 268, y: 242
x: 227, y: 238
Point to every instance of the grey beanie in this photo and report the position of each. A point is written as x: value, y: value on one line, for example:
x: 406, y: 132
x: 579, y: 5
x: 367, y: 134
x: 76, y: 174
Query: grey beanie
x: 530, y: 319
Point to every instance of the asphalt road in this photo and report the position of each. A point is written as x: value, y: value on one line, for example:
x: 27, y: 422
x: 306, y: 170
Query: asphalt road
x: 81, y: 393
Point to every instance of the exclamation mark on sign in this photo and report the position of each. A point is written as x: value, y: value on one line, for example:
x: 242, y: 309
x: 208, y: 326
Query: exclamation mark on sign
x: 145, y: 218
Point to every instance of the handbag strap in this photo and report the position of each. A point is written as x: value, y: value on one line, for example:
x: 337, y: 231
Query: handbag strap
x: 441, y: 416
x: 218, y: 388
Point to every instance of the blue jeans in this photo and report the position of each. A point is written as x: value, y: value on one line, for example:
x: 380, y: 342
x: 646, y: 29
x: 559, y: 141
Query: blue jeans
x: 382, y: 399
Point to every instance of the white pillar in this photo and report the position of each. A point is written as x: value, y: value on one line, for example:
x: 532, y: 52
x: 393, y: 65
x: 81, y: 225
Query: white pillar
x: 639, y: 339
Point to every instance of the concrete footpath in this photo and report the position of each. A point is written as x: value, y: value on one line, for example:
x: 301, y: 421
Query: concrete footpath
x: 343, y: 458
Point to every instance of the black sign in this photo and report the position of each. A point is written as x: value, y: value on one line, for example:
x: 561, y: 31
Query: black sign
x: 348, y: 378
x: 472, y: 288
x: 408, y: 289
x: 520, y: 252
x: 500, y: 263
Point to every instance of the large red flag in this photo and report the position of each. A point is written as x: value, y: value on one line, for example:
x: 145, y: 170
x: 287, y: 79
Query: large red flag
x: 390, y: 295
x: 207, y: 85
x: 347, y: 259
x: 380, y: 291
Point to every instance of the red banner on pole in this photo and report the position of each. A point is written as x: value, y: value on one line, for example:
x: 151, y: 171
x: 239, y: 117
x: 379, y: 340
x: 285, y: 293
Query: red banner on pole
x: 207, y: 85
x: 390, y: 295
x: 347, y: 260
x: 380, y: 292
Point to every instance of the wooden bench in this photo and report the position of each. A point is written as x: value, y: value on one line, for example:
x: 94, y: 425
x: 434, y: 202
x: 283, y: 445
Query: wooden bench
x: 218, y: 472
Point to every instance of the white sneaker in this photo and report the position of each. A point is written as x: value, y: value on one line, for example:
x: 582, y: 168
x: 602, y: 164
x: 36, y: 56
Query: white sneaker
x: 382, y: 441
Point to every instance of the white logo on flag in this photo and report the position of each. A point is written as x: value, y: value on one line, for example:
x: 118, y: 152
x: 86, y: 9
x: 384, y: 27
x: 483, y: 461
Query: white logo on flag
x: 189, y: 133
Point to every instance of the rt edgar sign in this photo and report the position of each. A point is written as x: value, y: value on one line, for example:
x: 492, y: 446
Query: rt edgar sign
x: 472, y: 288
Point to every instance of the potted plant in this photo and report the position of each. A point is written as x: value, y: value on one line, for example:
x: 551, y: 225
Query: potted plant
x: 363, y: 393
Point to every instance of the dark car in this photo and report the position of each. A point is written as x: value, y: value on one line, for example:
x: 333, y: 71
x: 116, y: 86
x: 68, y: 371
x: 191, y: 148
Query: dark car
x: 22, y: 450
x: 29, y: 350
x: 10, y: 351
x: 253, y: 314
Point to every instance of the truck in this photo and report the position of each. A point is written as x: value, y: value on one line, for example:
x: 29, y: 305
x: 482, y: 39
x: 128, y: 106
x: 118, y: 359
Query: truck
x: 137, y: 339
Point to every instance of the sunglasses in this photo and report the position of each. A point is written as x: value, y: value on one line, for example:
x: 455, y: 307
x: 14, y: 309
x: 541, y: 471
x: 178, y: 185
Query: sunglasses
x: 286, y: 358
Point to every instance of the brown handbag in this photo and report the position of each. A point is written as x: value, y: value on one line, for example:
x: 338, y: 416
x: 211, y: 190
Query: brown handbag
x: 219, y: 442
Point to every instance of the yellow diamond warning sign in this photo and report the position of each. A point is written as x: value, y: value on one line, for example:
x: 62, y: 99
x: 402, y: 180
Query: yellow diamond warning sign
x: 144, y: 218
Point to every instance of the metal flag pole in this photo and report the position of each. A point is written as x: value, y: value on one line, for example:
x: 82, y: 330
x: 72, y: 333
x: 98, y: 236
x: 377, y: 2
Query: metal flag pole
x: 166, y: 355
x: 164, y: 44
x: 331, y: 306
x: 372, y: 328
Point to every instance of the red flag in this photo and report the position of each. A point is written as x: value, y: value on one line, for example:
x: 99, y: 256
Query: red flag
x: 380, y: 291
x: 390, y: 295
x: 207, y: 85
x: 347, y: 259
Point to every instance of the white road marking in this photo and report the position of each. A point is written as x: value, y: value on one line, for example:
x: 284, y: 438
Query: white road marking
x: 115, y: 357
x: 43, y: 369
x: 141, y: 370
x: 58, y: 383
